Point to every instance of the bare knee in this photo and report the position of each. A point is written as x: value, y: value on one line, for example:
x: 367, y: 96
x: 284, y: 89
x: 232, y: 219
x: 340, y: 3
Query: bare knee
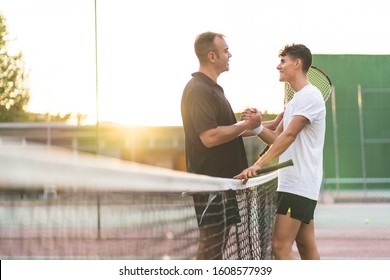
x: 282, y: 250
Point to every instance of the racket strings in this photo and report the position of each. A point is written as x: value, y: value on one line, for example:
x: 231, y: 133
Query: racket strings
x: 318, y: 79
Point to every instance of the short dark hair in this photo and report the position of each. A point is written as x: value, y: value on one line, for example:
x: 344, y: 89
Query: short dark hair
x: 298, y: 51
x: 204, y: 43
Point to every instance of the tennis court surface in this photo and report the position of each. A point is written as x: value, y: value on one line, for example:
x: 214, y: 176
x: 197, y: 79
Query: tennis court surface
x: 353, y: 230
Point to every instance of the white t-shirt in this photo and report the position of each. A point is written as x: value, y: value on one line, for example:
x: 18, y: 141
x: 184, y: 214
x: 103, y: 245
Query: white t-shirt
x: 304, y: 178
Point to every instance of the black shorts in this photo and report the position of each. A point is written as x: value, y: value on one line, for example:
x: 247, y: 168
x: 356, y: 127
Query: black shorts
x: 222, y: 210
x: 300, y: 208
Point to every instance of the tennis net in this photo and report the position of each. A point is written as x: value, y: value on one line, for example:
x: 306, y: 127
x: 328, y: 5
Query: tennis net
x: 59, y: 204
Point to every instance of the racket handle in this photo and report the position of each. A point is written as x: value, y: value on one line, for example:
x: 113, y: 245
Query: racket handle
x: 276, y: 167
x: 264, y: 151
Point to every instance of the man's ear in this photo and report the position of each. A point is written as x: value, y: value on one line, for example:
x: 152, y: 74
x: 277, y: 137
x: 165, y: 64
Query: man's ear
x: 211, y: 56
x: 298, y: 63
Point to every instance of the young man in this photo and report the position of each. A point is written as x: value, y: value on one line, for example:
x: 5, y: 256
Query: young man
x: 213, y: 142
x: 299, y: 137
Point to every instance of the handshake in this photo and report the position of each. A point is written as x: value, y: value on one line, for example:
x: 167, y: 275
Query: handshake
x: 252, y: 118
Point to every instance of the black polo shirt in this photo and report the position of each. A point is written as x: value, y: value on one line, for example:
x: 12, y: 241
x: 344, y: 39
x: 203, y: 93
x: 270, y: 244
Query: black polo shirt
x: 204, y: 106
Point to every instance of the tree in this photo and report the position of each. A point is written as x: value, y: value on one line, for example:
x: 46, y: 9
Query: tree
x: 14, y: 95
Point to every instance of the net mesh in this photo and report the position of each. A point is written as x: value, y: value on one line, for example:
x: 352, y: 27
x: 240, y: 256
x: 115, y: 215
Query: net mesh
x: 61, y: 205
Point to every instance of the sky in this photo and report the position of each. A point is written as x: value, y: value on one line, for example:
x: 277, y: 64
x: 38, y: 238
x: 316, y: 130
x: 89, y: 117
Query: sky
x: 145, y: 52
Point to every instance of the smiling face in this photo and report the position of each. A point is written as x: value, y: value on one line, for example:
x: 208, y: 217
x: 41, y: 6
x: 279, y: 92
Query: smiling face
x: 287, y: 68
x: 220, y: 54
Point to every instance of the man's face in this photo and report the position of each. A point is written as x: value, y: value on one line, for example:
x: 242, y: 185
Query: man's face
x: 222, y: 54
x: 286, y: 68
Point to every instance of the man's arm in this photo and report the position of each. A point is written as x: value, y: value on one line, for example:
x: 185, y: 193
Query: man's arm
x: 273, y: 124
x: 279, y: 146
x: 269, y: 136
x: 223, y: 134
x: 283, y: 141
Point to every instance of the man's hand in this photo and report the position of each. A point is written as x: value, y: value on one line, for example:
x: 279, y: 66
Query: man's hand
x: 249, y: 113
x: 252, y: 118
x: 248, y: 173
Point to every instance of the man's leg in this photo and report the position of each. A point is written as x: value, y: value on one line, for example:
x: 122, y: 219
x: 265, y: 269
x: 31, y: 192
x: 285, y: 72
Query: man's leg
x: 284, y: 234
x: 306, y: 243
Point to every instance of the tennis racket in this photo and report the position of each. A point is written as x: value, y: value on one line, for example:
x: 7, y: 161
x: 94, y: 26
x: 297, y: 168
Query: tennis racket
x: 317, y: 78
x: 275, y: 167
